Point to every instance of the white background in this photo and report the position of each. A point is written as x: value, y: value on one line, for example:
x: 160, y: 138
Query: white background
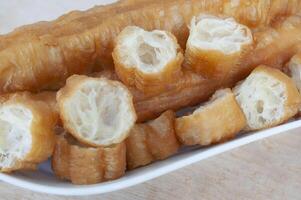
x: 14, y: 13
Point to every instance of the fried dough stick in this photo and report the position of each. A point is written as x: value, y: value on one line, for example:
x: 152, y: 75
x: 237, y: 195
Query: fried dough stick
x: 151, y: 141
x: 44, y: 61
x: 267, y: 97
x: 217, y: 120
x: 27, y: 124
x: 87, y: 165
x: 96, y: 111
x: 273, y: 47
x: 216, y: 45
x: 147, y: 60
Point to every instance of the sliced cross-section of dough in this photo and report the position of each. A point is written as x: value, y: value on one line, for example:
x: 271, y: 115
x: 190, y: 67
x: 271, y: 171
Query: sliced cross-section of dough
x: 96, y: 111
x: 216, y: 121
x: 87, y: 165
x: 147, y: 60
x: 150, y: 141
x: 215, y: 45
x: 27, y: 130
x: 267, y: 97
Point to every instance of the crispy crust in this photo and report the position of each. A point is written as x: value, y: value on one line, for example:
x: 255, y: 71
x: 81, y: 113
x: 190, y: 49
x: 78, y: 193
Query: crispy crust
x: 153, y: 83
x: 79, y: 43
x: 215, y: 64
x: 293, y: 101
x: 87, y: 165
x: 273, y: 47
x: 292, y: 69
x: 221, y: 119
x: 151, y: 141
x: 72, y: 85
x: 280, y: 41
x: 42, y: 127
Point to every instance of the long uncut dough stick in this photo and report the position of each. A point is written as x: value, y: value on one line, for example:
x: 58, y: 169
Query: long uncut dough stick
x: 44, y: 61
x: 87, y: 165
x: 27, y: 130
x: 67, y: 24
x: 273, y: 47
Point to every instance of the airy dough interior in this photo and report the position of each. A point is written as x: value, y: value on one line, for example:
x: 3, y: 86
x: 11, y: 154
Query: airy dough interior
x: 147, y: 51
x: 15, y: 138
x: 262, y: 99
x: 100, y: 112
x: 213, y: 33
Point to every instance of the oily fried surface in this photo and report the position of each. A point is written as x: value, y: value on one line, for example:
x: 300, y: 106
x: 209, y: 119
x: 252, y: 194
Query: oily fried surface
x: 217, y: 121
x: 44, y: 119
x: 80, y: 44
x: 87, y: 165
x: 151, y: 141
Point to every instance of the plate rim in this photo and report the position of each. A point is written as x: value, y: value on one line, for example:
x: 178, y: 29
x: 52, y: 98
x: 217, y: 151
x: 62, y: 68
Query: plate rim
x: 119, y: 184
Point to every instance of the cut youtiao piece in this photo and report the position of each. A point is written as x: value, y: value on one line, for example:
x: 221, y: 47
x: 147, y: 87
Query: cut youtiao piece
x: 216, y: 121
x: 294, y: 70
x: 294, y: 67
x: 27, y: 135
x: 267, y: 97
x: 273, y: 46
x: 87, y: 165
x: 147, y: 60
x: 96, y: 111
x: 150, y: 141
x: 215, y: 45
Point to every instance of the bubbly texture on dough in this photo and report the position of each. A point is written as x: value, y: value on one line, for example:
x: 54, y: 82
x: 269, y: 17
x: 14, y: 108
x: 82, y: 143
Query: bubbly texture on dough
x: 267, y: 97
x: 149, y: 52
x: 215, y: 121
x: 151, y: 141
x: 98, y: 111
x: 15, y: 138
x: 82, y: 164
x: 43, y: 55
x: 262, y: 99
x: 214, y: 33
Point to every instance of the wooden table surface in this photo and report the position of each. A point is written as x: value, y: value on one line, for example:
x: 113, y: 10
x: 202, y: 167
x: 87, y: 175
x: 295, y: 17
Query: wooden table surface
x: 267, y: 169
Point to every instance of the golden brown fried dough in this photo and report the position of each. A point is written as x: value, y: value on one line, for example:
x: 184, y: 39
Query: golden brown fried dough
x: 146, y: 60
x: 151, y: 141
x: 218, y: 120
x: 216, y: 45
x: 273, y: 47
x: 87, y: 165
x: 293, y: 69
x: 267, y: 97
x: 97, y: 111
x: 27, y: 124
x: 83, y: 41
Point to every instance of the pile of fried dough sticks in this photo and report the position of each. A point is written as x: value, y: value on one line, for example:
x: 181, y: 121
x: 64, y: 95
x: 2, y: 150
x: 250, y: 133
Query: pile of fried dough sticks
x: 98, y: 90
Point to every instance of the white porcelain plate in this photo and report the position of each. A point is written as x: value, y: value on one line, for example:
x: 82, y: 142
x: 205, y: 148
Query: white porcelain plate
x: 44, y: 181
x: 14, y: 13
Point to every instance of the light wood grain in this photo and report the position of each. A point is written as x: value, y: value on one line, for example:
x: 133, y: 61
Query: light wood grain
x: 268, y: 169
